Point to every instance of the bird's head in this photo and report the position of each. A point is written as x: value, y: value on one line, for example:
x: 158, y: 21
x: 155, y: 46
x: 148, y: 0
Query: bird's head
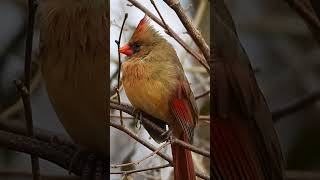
x: 143, y: 40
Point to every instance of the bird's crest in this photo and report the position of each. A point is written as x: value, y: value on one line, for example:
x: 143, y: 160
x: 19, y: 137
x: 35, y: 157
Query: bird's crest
x: 144, y: 29
x: 144, y: 23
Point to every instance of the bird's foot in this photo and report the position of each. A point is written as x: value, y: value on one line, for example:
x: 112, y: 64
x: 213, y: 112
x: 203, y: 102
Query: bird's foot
x: 167, y: 135
x: 137, y: 115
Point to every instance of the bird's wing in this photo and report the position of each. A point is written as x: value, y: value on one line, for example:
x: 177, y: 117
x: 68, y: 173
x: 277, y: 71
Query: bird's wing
x: 184, y: 109
x: 236, y: 92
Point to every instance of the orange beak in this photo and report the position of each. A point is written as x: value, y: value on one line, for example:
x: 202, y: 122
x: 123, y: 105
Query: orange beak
x: 126, y: 49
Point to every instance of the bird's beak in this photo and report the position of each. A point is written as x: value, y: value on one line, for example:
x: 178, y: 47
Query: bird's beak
x: 126, y: 49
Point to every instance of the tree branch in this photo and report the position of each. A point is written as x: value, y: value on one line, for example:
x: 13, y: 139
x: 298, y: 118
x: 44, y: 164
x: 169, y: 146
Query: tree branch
x: 130, y: 110
x: 196, y: 55
x: 307, y: 15
x: 141, y: 170
x: 296, y: 105
x: 150, y: 146
x: 193, y: 32
x: 56, y: 153
x: 25, y: 92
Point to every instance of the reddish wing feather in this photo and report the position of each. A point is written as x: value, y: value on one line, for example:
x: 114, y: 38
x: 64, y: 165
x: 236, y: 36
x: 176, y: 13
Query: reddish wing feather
x: 184, y: 109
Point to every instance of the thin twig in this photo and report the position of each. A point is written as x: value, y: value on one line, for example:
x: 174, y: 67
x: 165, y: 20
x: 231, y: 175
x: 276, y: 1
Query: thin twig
x: 130, y: 110
x: 195, y: 54
x: 296, y: 105
x: 143, y: 159
x: 140, y: 170
x: 150, y: 146
x: 302, y: 175
x: 25, y: 92
x: 301, y: 9
x: 202, y: 95
x: 120, y: 63
x: 193, y: 32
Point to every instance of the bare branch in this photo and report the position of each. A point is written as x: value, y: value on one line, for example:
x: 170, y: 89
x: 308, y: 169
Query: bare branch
x: 302, y: 175
x: 202, y: 95
x: 149, y: 146
x: 296, y: 105
x: 120, y: 63
x: 301, y: 7
x: 196, y: 55
x: 193, y: 32
x: 56, y: 153
x: 130, y: 110
x: 143, y: 159
x: 24, y: 91
x: 140, y: 170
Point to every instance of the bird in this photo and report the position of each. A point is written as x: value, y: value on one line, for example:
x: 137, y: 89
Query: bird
x: 244, y: 143
x: 154, y: 82
x: 74, y: 56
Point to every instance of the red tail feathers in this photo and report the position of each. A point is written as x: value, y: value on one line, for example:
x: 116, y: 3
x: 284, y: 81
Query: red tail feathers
x: 182, y: 163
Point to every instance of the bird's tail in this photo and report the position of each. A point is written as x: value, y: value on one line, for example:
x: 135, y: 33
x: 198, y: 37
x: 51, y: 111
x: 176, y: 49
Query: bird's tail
x: 182, y: 163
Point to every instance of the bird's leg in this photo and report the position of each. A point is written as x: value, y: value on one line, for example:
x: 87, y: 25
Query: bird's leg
x: 137, y: 113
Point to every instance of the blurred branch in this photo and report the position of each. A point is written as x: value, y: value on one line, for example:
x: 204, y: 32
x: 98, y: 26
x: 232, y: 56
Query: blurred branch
x: 58, y: 154
x: 301, y: 7
x: 24, y: 89
x: 15, y: 174
x: 196, y: 55
x: 296, y: 105
x: 61, y: 155
x: 302, y: 175
x: 16, y: 127
x: 316, y: 6
x: 193, y: 32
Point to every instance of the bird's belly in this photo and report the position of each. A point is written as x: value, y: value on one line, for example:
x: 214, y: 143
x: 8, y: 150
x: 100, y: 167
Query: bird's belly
x: 151, y: 96
x: 79, y: 99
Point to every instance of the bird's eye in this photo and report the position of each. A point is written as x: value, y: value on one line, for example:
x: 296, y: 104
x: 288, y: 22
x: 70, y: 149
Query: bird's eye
x: 135, y: 47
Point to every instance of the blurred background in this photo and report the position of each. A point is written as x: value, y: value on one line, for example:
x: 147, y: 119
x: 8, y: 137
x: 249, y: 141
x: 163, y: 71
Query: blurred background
x: 283, y: 52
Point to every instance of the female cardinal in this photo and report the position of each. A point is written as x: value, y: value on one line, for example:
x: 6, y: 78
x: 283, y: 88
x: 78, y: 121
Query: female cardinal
x: 73, y: 51
x: 154, y: 82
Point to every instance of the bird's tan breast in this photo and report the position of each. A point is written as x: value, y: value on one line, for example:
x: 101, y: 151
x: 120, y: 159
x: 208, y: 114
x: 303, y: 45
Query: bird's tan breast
x: 146, y: 90
x: 74, y: 67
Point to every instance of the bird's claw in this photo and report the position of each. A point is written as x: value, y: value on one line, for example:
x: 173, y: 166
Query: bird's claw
x: 137, y: 113
x: 167, y: 135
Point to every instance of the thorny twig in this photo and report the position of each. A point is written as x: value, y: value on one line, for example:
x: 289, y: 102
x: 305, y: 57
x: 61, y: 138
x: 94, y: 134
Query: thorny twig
x: 119, y: 72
